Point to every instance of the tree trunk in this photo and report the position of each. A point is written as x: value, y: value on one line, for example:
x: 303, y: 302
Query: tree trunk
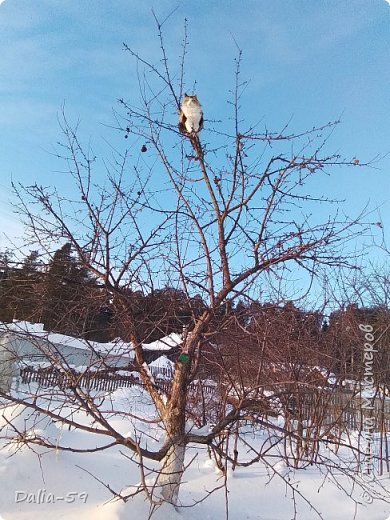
x: 172, y: 465
x: 8, y: 356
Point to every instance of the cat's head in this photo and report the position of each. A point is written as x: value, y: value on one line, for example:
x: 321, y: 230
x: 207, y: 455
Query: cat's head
x: 188, y: 99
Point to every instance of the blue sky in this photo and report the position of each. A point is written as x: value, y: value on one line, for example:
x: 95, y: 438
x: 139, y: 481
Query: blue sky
x: 309, y: 61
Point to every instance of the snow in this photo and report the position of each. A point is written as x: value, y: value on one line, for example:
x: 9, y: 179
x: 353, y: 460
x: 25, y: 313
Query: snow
x: 59, y: 484
x: 249, y: 496
x: 36, y: 330
x: 330, y: 377
x: 115, y: 348
x: 162, y: 362
x: 170, y: 341
x: 43, y: 483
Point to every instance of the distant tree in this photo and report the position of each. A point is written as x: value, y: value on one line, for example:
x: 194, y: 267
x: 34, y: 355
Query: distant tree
x: 6, y: 262
x: 66, y: 298
x: 27, y: 288
x: 6, y: 268
x: 20, y: 289
x: 343, y: 338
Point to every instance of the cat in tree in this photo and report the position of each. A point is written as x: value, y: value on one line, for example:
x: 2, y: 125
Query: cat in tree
x: 191, y: 115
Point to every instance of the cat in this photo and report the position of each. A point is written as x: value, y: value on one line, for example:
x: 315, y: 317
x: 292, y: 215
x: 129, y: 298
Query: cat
x: 191, y: 115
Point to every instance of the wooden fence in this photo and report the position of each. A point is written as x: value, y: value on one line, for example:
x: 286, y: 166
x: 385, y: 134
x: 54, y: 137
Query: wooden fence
x: 340, y: 406
x: 99, y: 380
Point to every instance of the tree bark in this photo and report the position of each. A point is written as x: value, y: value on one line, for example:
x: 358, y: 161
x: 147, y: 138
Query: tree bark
x: 172, y: 465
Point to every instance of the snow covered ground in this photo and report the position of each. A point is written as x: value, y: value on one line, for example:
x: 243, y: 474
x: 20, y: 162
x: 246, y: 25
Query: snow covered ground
x: 48, y: 484
x: 41, y: 483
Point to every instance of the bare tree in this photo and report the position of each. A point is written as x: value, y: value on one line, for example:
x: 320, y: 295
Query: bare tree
x: 224, y: 215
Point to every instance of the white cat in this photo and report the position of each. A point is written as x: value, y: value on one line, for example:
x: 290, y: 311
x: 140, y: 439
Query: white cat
x: 191, y: 115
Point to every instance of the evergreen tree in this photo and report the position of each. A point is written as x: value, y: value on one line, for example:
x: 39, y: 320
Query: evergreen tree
x: 65, y: 298
x: 6, y: 312
x: 27, y: 283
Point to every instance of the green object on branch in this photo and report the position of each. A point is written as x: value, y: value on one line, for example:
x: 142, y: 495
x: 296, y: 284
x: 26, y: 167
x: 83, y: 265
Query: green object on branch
x: 184, y: 358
